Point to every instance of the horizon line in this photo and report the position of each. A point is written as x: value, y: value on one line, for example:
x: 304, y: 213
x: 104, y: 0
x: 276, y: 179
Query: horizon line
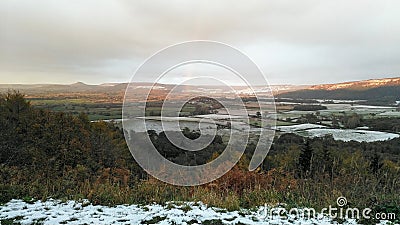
x: 116, y: 83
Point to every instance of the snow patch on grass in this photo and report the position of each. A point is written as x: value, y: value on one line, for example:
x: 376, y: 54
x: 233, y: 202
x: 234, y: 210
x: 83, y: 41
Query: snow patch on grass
x: 351, y: 134
x: 298, y: 127
x: 73, y: 212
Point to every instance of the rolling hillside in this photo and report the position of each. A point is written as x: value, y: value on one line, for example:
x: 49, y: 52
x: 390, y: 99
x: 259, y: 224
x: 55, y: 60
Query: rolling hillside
x: 118, y: 89
x: 377, y: 91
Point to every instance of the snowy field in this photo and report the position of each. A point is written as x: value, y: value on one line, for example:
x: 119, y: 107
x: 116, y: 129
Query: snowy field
x: 220, y: 116
x: 390, y: 114
x: 72, y: 212
x: 298, y: 127
x: 352, y: 135
x: 345, y: 108
x: 208, y: 125
x: 360, y: 135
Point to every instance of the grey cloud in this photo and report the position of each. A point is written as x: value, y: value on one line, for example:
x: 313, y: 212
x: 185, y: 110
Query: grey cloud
x: 292, y: 41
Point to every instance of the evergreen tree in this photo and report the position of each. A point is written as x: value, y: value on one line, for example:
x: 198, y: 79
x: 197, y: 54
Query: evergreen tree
x: 305, y: 160
x: 327, y: 160
x: 375, y: 163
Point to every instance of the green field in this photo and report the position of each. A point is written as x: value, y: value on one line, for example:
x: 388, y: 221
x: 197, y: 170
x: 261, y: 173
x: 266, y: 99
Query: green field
x: 95, y: 111
x: 98, y: 111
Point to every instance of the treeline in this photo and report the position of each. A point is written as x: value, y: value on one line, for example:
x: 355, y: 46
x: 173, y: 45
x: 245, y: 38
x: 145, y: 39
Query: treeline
x: 383, y: 124
x: 184, y: 157
x: 310, y: 101
x: 354, y: 120
x: 309, y: 107
x: 373, y: 122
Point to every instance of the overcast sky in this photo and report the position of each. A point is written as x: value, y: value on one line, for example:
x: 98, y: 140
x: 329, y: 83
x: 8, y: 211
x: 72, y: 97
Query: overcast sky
x: 293, y: 42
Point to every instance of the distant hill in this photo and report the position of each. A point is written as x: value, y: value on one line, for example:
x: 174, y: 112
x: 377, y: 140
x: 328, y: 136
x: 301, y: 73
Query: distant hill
x: 62, y: 88
x: 377, y: 91
x: 359, y: 85
x: 113, y: 88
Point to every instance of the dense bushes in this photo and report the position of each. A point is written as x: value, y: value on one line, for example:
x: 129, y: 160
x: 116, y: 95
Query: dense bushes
x: 324, y: 169
x: 184, y: 157
x: 58, y: 151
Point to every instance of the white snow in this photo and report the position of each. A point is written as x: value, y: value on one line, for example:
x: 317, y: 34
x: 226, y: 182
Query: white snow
x: 390, y: 113
x: 298, y: 127
x: 82, y: 212
x: 219, y: 116
x: 362, y: 128
x: 359, y: 134
x: 73, y: 212
x: 372, y: 107
x: 351, y: 134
